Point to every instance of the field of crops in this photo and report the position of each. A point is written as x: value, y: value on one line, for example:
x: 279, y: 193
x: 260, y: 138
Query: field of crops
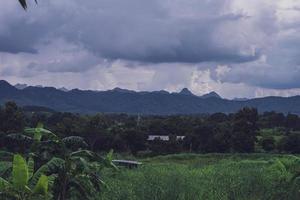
x: 212, y: 176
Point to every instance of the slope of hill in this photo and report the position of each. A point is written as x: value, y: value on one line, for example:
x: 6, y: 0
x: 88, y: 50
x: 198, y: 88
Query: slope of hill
x: 123, y: 101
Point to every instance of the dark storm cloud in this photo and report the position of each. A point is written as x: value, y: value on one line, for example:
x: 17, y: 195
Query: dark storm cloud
x: 261, y: 75
x: 136, y: 30
x: 280, y: 69
x: 22, y: 32
x: 20, y: 38
x: 257, y: 40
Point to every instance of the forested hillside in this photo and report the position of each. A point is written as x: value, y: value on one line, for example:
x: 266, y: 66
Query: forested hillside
x: 131, y: 102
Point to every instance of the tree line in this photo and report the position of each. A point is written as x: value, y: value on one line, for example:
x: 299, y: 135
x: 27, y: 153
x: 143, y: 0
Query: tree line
x: 245, y: 131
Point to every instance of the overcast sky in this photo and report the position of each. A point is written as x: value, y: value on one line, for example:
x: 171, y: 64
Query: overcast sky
x: 238, y: 48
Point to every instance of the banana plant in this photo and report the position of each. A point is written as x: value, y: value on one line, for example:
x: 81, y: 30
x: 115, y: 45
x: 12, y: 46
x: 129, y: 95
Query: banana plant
x: 20, y: 185
x: 77, y: 174
x: 75, y: 169
x: 40, y: 132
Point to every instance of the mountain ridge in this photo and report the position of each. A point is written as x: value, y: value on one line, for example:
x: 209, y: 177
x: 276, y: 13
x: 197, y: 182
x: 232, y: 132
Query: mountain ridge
x: 132, y: 102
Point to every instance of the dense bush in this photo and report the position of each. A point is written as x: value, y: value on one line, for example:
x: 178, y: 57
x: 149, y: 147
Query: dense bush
x: 290, y: 143
x: 268, y: 143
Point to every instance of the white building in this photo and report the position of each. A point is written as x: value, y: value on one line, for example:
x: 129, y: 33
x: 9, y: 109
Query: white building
x: 163, y: 137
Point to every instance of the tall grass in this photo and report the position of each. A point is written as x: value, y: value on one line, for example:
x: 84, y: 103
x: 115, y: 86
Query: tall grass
x: 226, y: 179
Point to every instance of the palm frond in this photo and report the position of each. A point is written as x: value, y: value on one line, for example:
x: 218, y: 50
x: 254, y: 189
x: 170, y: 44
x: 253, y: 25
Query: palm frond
x: 40, y: 132
x: 19, y: 137
x: 24, y: 3
x: 3, y: 184
x: 20, y: 175
x: 30, y: 164
x: 85, y: 154
x: 52, y: 167
x: 5, y: 167
x: 75, y: 142
x: 42, y: 186
x: 81, y: 186
x: 6, y: 156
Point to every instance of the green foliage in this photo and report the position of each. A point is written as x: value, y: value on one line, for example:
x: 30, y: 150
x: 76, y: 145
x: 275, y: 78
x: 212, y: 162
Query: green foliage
x: 19, y: 187
x: 40, y: 132
x: 12, y: 118
x: 245, y: 130
x: 290, y: 143
x: 64, y: 166
x: 20, y: 172
x: 51, y: 167
x: 71, y: 173
x: 74, y: 142
x: 41, y: 186
x: 184, y: 177
x: 268, y: 143
x: 128, y: 133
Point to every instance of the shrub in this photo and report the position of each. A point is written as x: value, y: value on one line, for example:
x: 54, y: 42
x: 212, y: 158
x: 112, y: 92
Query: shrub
x: 268, y: 143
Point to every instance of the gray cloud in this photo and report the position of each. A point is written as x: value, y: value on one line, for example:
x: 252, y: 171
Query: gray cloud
x: 161, y: 42
x: 137, y: 30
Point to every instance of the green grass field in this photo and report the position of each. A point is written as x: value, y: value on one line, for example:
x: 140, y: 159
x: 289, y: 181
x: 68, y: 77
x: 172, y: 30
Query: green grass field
x: 211, y: 176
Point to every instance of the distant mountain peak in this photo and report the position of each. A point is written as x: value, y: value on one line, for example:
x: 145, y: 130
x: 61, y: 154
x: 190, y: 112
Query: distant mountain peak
x: 63, y: 89
x: 20, y: 86
x: 211, y: 94
x: 186, y: 91
x: 5, y: 84
x: 117, y: 89
x: 2, y: 82
x: 5, y: 87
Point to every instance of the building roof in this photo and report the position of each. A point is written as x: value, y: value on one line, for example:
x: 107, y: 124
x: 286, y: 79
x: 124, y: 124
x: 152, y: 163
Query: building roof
x: 127, y: 162
x: 163, y: 137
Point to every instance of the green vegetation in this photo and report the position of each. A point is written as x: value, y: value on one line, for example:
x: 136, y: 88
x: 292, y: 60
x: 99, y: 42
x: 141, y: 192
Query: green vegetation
x: 242, y: 132
x: 24, y: 183
x: 53, y: 168
x: 243, y: 156
x: 215, y: 176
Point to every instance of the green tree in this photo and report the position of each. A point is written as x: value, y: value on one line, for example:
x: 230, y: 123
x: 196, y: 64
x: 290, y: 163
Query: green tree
x: 12, y: 118
x: 136, y: 140
x: 222, y: 138
x: 268, y: 143
x: 290, y: 143
x: 292, y: 122
x: 244, y: 130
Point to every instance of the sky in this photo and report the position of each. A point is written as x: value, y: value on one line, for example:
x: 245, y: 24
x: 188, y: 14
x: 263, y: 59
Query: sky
x: 237, y: 48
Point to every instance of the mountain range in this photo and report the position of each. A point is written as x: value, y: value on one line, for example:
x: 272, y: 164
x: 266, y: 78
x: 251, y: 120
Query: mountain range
x: 128, y: 101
